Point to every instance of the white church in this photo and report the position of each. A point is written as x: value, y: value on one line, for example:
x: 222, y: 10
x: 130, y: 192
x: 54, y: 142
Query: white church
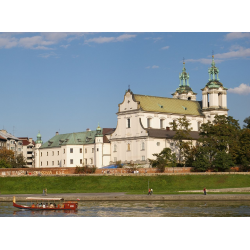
x: 143, y: 127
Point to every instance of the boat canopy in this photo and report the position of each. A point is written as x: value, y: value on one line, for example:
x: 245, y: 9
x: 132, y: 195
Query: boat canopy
x: 44, y: 199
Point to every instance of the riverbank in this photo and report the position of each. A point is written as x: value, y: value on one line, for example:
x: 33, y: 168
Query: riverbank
x: 127, y: 197
x: 133, y: 185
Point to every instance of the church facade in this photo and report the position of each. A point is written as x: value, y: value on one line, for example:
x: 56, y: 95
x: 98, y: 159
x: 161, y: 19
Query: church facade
x: 143, y: 126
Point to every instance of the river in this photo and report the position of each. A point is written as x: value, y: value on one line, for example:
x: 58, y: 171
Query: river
x: 140, y: 209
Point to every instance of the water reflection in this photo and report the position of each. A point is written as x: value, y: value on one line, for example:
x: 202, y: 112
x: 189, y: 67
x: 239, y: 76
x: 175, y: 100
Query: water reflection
x: 139, y: 209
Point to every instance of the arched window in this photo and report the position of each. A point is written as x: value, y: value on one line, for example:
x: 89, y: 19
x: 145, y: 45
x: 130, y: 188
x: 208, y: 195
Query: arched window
x: 128, y: 146
x: 161, y: 123
x: 149, y: 122
x: 142, y: 146
x: 115, y: 147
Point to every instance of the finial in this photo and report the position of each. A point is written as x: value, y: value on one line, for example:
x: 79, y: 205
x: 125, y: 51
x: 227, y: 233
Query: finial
x: 212, y: 54
x: 183, y: 60
x: 128, y: 87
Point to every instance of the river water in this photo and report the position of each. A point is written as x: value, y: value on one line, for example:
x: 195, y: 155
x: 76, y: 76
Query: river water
x: 139, y: 209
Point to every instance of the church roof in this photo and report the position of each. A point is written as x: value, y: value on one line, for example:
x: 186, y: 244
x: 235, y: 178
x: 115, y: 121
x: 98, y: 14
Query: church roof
x: 168, y: 105
x: 80, y: 138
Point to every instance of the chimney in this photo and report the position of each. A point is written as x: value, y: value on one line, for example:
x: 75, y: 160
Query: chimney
x: 30, y: 140
x: 57, y: 133
x: 167, y: 128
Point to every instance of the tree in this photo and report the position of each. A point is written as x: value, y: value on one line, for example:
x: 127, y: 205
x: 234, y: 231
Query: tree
x: 19, y: 161
x: 4, y: 164
x: 221, y: 135
x: 244, y: 142
x: 7, y: 155
x: 247, y: 121
x: 161, y: 160
x: 182, y: 134
x: 222, y: 161
x: 201, y: 161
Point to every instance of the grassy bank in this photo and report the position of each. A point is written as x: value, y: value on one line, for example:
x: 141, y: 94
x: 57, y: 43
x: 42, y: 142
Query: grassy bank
x: 129, y: 184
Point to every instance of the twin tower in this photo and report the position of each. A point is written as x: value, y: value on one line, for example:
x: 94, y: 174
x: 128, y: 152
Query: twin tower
x: 214, y: 94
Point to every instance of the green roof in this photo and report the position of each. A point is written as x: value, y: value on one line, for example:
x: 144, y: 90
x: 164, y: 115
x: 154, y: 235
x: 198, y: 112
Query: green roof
x: 168, y: 105
x: 80, y: 138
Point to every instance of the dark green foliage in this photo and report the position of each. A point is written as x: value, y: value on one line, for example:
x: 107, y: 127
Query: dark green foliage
x: 85, y: 170
x: 247, y: 121
x: 222, y: 162
x: 4, y: 164
x: 19, y: 162
x: 201, y: 162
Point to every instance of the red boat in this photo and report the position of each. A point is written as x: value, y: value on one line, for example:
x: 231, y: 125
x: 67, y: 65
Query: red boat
x: 38, y: 203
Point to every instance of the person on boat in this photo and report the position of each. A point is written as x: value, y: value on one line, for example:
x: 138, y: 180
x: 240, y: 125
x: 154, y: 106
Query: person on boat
x: 43, y: 205
x: 33, y: 205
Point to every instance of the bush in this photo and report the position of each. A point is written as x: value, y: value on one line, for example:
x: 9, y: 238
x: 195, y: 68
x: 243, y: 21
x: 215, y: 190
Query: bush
x: 85, y: 170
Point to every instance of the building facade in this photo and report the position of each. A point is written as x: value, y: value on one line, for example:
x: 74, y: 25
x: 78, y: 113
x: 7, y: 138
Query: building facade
x: 143, y: 127
x: 28, y: 149
x: 10, y: 142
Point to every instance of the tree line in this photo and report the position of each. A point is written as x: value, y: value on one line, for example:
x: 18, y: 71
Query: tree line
x: 222, y: 144
x: 8, y: 159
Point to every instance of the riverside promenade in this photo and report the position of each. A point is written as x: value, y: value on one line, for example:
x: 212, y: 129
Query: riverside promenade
x: 136, y: 197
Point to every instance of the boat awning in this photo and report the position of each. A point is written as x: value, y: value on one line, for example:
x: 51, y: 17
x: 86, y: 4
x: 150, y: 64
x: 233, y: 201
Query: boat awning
x: 43, y: 199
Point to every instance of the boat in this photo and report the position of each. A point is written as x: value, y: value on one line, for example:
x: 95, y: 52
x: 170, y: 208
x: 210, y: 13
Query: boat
x: 38, y: 203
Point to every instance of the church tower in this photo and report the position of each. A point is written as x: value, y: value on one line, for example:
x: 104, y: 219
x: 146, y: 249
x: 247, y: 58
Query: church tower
x: 214, y: 95
x: 39, y: 143
x: 98, y: 147
x: 184, y: 91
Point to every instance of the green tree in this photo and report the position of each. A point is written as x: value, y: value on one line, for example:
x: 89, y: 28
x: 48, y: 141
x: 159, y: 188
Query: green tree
x: 247, y: 121
x: 182, y: 134
x: 7, y: 155
x: 19, y: 161
x: 222, y: 161
x: 201, y: 161
x: 4, y: 164
x: 161, y: 160
x: 245, y: 149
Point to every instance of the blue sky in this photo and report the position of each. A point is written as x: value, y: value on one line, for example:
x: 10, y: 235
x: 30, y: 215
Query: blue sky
x: 69, y: 82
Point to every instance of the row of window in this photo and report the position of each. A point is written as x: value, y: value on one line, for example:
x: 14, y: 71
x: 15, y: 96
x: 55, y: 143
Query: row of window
x: 71, y: 162
x: 71, y: 150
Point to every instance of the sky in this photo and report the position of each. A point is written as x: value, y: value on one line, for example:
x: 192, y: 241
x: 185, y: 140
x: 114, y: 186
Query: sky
x: 68, y: 82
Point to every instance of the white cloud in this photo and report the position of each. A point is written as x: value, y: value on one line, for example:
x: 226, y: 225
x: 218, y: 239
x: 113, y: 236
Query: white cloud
x: 65, y: 46
x: 47, y: 55
x: 237, y: 35
x: 101, y: 39
x: 243, y: 89
x: 166, y: 47
x: 152, y: 67
x: 203, y: 60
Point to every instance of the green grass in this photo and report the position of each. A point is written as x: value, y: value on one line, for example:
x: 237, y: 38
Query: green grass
x: 165, y: 184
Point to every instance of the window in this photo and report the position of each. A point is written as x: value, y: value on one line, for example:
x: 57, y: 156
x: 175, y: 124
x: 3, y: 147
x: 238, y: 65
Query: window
x: 71, y: 161
x: 97, y: 149
x: 143, y: 158
x: 19, y: 149
x: 71, y: 150
x: 80, y: 150
x: 41, y: 163
x: 85, y: 151
x: 115, y: 148
x: 63, y: 161
x: 91, y: 161
x: 128, y: 122
x: 80, y: 161
x: 47, y: 153
x: 41, y: 153
x: 47, y: 163
x: 52, y: 163
x: 52, y: 153
x: 158, y: 144
x: 86, y: 161
x: 171, y: 144
x: 57, y: 162
x: 161, y: 123
x: 142, y: 146
x: 149, y: 122
x: 93, y: 150
x: 64, y: 150
x: 128, y: 146
x: 57, y: 152
x: 115, y: 159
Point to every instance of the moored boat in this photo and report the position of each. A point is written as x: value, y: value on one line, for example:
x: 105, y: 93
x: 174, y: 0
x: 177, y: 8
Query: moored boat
x: 38, y: 203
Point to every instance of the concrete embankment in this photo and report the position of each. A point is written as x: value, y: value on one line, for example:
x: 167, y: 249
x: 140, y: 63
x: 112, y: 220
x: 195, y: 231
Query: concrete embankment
x: 124, y: 197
